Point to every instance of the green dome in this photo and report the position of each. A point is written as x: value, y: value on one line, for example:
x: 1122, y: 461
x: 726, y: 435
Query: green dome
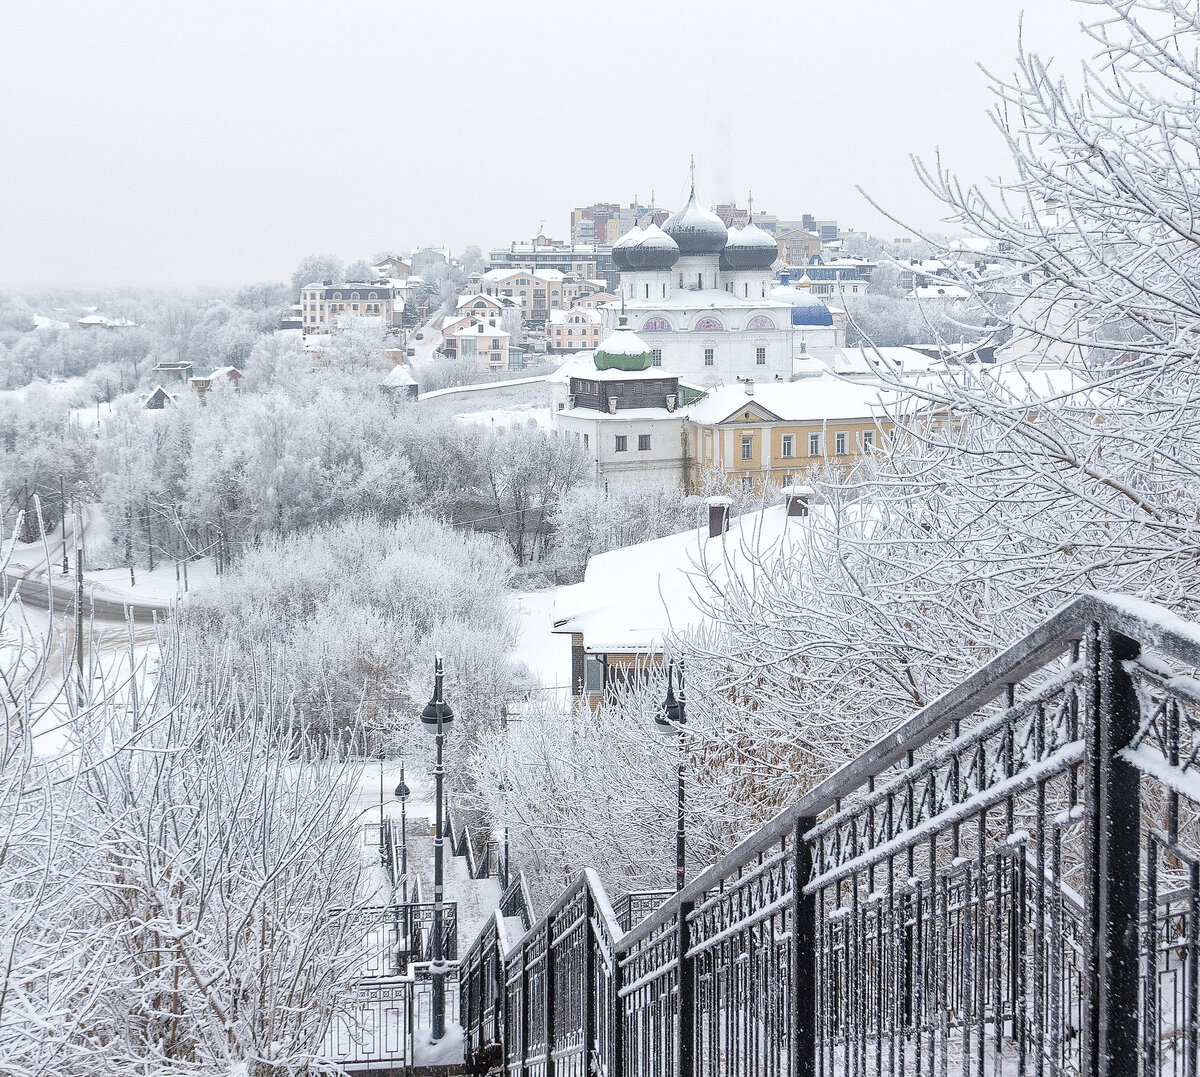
x: 623, y: 349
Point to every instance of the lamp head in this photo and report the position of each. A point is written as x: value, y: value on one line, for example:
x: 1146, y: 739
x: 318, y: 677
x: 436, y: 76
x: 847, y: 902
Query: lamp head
x: 670, y: 715
x: 402, y: 791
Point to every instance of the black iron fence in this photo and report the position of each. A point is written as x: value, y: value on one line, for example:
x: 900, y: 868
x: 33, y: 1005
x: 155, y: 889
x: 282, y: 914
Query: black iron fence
x: 1007, y: 883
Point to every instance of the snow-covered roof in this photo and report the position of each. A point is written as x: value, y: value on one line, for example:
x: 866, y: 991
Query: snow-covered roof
x: 42, y: 323
x: 631, y: 599
x: 552, y: 276
x: 479, y: 329
x: 704, y: 299
x: 939, y: 291
x: 577, y: 315
x: 809, y: 400
x: 399, y: 376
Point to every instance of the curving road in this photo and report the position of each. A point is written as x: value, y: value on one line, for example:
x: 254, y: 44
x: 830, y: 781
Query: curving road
x: 33, y: 592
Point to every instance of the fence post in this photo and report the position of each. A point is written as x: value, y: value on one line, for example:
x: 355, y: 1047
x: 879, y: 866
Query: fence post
x: 548, y: 996
x: 616, y: 1018
x: 804, y: 957
x: 588, y: 997
x: 1110, y: 1030
x: 685, y: 1048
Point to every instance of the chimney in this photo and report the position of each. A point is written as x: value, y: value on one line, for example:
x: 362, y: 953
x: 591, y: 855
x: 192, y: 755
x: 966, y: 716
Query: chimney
x: 797, y: 498
x: 718, y: 515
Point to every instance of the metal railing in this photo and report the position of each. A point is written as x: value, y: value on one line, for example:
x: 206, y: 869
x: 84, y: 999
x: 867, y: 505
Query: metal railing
x: 1006, y: 883
x: 486, y: 861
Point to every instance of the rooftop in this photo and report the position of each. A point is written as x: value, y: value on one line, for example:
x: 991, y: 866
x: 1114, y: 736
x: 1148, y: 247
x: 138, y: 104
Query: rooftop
x: 634, y: 598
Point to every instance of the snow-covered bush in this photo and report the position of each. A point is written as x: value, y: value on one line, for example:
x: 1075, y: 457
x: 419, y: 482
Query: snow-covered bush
x: 172, y: 870
x: 349, y: 615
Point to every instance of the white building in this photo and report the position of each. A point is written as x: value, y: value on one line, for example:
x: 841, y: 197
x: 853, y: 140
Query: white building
x: 623, y: 411
x: 704, y: 298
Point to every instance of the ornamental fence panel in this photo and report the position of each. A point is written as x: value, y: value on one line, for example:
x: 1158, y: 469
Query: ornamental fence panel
x: 1006, y: 883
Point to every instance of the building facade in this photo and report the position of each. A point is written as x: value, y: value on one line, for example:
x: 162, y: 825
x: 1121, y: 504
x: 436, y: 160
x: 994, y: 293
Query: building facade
x: 752, y: 437
x: 575, y: 329
x: 323, y: 304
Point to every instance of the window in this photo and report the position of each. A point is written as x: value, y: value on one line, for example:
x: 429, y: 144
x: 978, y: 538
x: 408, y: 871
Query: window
x: 760, y: 356
x: 789, y: 445
x: 747, y: 446
x: 747, y: 484
x: 868, y: 439
x: 709, y: 356
x: 814, y: 444
x: 643, y: 442
x: 647, y: 291
x: 657, y: 357
x: 593, y: 674
x: 622, y: 443
x: 585, y: 441
x: 839, y: 443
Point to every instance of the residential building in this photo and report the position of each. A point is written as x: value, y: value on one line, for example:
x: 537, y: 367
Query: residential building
x: 575, y: 329
x: 841, y: 280
x: 485, y: 345
x: 103, y: 321
x: 536, y: 294
x: 159, y: 399
x: 393, y: 267
x: 588, y: 261
x: 595, y: 300
x: 426, y: 258
x: 202, y: 383
x: 323, y: 304
x: 797, y: 247
x: 774, y: 434
x: 633, y: 599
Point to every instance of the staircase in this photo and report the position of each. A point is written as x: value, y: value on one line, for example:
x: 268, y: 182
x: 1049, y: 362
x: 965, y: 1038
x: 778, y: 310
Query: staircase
x: 1007, y: 883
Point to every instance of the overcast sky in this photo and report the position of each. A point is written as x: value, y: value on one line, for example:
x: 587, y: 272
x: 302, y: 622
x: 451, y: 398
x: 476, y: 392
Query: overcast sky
x: 155, y: 142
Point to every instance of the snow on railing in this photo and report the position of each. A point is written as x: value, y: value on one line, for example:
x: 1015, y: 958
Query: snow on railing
x: 1009, y: 879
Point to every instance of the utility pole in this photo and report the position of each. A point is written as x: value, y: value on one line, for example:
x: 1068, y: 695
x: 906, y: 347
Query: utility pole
x: 62, y: 502
x: 149, y: 535
x: 79, y: 598
x: 435, y: 717
x: 129, y: 540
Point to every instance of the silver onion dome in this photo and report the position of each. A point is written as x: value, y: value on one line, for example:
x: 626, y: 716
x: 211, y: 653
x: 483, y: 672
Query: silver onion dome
x: 655, y: 250
x: 696, y: 230
x: 620, y: 249
x: 749, y: 248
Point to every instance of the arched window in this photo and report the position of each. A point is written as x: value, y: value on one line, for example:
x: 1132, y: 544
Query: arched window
x: 760, y: 321
x: 354, y: 295
x: 372, y: 295
x: 708, y: 322
x: 337, y: 295
x: 656, y: 325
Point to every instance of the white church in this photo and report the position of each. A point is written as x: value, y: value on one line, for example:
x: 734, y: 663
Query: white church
x: 704, y: 298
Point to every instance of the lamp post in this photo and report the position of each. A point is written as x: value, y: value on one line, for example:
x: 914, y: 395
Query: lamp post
x: 505, y: 788
x: 383, y: 845
x: 671, y: 718
x: 402, y: 794
x: 434, y: 717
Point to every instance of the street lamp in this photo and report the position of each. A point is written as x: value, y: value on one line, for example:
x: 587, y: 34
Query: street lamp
x: 383, y: 843
x: 671, y: 718
x: 435, y: 717
x: 402, y: 795
x: 504, y: 789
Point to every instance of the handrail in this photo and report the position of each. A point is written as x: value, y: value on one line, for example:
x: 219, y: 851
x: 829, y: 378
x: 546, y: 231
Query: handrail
x: 1045, y: 642
x: 1084, y: 733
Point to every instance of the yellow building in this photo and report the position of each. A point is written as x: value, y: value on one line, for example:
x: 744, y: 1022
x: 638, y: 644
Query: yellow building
x: 776, y: 432
x: 323, y: 304
x: 537, y: 294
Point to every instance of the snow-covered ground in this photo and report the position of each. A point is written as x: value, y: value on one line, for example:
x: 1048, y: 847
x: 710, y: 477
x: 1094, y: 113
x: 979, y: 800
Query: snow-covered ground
x: 547, y: 655
x: 518, y: 415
